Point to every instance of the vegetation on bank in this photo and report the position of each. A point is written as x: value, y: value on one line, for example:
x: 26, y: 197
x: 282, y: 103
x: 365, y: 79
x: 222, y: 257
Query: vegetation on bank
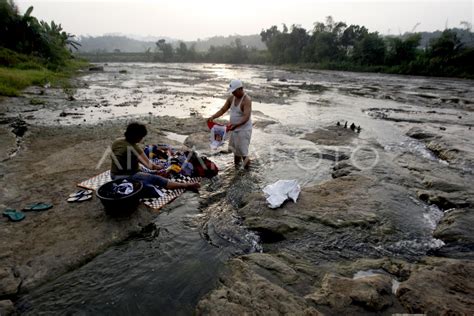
x: 334, y: 45
x: 32, y: 52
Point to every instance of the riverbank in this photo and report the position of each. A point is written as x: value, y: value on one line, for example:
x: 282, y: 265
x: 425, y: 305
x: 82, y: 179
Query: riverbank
x: 48, y: 163
x: 382, y: 224
x: 18, y: 71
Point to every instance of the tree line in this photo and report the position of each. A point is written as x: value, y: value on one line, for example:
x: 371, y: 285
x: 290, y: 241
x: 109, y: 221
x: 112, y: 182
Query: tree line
x: 335, y: 45
x: 332, y: 45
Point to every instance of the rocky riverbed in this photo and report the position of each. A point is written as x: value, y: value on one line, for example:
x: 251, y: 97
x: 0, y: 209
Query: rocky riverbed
x: 382, y: 225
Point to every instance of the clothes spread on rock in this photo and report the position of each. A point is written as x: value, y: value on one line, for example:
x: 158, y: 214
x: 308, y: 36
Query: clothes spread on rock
x: 277, y: 193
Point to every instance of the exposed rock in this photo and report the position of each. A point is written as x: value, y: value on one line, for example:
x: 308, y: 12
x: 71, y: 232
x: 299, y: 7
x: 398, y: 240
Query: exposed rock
x: 373, y: 293
x: 329, y: 288
x: 7, y: 308
x: 443, y: 151
x: 184, y: 126
x: 331, y: 136
x: 446, y: 200
x: 96, y: 68
x: 19, y: 127
x: 8, y: 144
x: 418, y: 133
x: 198, y: 141
x: 244, y: 292
x: 456, y: 227
x: 444, y: 184
x: 9, y: 282
x: 343, y: 169
x: 441, y: 287
x: 263, y: 123
x: 326, y: 204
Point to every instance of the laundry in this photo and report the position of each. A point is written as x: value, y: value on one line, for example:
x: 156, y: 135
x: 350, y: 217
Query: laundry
x: 277, y: 193
x: 218, y: 134
x: 124, y: 188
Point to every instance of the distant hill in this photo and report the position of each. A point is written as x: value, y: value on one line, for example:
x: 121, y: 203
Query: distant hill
x: 125, y: 44
x: 251, y: 41
x: 113, y: 43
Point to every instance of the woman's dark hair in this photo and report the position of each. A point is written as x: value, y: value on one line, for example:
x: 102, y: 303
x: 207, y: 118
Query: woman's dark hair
x: 135, y: 132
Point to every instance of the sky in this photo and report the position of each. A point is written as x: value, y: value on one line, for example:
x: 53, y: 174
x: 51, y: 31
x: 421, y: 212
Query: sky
x: 191, y: 20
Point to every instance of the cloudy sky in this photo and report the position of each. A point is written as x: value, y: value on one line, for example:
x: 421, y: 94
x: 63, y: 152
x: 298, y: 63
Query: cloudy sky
x: 190, y: 20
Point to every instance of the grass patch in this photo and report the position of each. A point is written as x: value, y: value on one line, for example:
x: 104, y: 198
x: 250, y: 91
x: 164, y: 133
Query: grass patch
x: 13, y: 80
x: 17, y: 77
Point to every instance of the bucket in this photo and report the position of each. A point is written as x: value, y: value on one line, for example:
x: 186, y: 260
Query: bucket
x: 117, y: 204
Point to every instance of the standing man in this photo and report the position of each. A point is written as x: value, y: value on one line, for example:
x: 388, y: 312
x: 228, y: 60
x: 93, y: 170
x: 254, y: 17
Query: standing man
x: 240, y: 106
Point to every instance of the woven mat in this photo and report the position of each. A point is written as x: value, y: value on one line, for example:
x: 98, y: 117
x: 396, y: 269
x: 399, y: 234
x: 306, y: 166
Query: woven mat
x: 166, y: 196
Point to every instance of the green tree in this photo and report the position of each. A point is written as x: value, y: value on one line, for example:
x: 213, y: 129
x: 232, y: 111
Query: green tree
x: 445, y: 46
x: 164, y: 51
x: 25, y: 34
x: 182, y: 52
x: 325, y: 42
x: 402, y: 51
x: 370, y: 50
x: 350, y: 36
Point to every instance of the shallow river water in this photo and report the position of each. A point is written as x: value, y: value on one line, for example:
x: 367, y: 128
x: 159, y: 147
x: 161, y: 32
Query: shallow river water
x: 168, y: 268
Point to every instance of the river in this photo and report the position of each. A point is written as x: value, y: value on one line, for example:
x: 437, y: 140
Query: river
x: 170, y: 266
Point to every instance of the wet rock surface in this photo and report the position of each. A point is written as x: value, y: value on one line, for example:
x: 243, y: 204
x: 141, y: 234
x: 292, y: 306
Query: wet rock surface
x: 440, y: 287
x: 244, y: 291
x: 332, y: 135
x: 7, y: 308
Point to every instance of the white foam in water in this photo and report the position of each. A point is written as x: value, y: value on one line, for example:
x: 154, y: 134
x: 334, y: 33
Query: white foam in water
x: 415, y: 147
x: 366, y: 273
x: 395, y: 286
x: 432, y: 215
x: 421, y: 246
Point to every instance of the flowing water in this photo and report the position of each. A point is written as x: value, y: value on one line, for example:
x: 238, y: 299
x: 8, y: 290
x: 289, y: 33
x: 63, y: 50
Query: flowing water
x: 176, y: 260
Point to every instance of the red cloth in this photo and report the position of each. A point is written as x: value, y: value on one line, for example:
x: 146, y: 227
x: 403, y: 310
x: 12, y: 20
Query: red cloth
x: 211, y: 125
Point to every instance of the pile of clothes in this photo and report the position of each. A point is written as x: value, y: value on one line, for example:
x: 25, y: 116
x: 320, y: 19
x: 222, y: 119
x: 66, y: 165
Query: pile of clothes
x: 175, y: 162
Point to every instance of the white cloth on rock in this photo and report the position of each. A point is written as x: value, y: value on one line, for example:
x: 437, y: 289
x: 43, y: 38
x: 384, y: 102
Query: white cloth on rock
x: 280, y: 191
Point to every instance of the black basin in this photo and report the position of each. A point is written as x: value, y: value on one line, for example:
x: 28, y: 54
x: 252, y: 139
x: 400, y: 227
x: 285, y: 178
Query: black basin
x: 116, y: 204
